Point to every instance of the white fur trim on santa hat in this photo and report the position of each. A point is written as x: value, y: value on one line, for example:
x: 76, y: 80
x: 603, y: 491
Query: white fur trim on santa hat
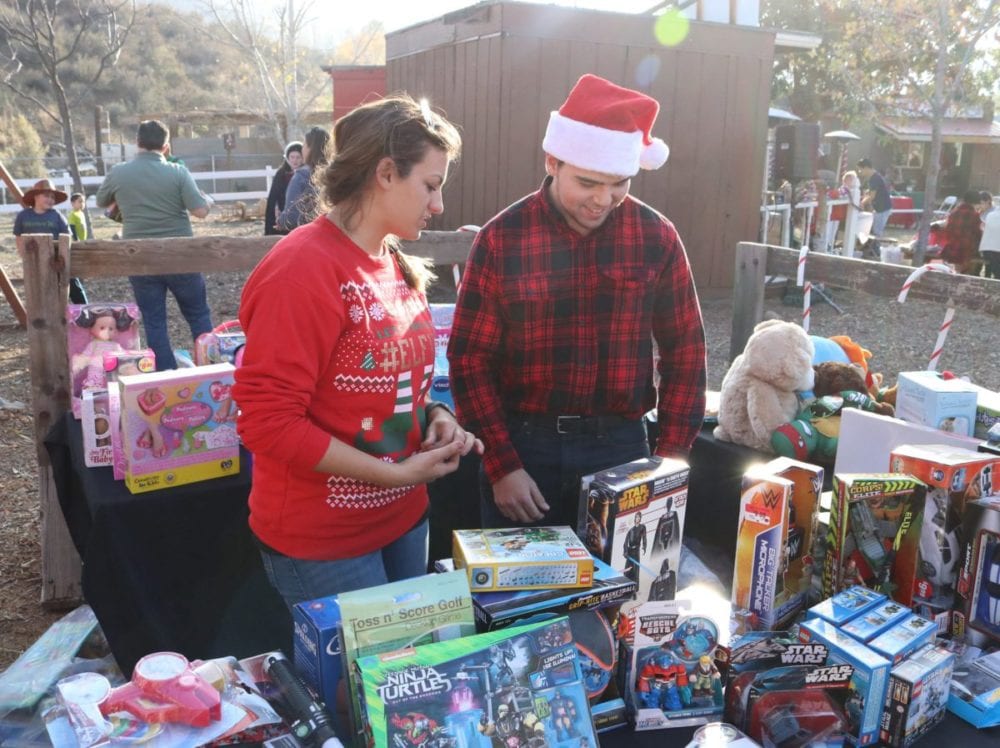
x: 600, y: 149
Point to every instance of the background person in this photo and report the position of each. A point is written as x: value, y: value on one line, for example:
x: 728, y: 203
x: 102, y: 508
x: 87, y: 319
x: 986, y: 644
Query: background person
x: 279, y: 185
x: 876, y: 198
x: 565, y: 291
x: 989, y: 245
x: 338, y: 363
x: 41, y: 217
x: 963, y: 230
x: 302, y: 195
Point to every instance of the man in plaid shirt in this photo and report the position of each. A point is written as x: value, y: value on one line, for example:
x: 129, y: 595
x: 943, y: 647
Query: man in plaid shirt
x: 565, y: 292
x: 963, y: 230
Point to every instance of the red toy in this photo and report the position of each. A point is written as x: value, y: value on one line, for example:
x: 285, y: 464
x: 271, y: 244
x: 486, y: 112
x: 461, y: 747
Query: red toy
x: 164, y: 688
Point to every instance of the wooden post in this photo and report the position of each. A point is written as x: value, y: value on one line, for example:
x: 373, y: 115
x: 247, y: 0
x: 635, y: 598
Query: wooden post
x: 748, y: 294
x: 46, y: 288
x: 9, y: 292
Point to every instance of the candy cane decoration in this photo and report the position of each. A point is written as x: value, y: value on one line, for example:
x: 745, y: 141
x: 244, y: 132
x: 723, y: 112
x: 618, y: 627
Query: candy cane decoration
x: 949, y: 315
x: 456, y: 271
x: 800, y: 280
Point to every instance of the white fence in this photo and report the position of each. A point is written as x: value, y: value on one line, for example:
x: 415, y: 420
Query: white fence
x: 9, y: 205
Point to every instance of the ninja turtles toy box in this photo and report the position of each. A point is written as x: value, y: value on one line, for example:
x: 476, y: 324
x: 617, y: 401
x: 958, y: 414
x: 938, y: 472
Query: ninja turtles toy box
x: 522, y: 558
x: 520, y: 686
x: 632, y: 517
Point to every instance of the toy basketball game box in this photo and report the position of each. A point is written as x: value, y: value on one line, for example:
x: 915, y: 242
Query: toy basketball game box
x: 634, y: 520
x: 520, y: 686
x: 178, y: 427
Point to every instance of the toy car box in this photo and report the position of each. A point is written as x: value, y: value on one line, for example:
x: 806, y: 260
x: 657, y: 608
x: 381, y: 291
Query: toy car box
x: 846, y: 605
x: 874, y: 534
x: 953, y: 476
x: 975, y: 691
x: 905, y: 637
x: 878, y: 620
x: 519, y: 686
x: 91, y: 331
x: 317, y: 652
x: 635, y: 519
x: 869, y: 679
x: 178, y: 427
x: 978, y: 600
x: 917, y: 695
x: 522, y: 558
x: 945, y: 404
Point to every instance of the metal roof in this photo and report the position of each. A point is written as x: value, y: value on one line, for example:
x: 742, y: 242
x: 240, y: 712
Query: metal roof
x: 953, y: 130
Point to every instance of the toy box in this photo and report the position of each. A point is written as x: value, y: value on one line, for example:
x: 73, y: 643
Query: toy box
x: 846, y: 605
x: 522, y: 558
x: 975, y: 691
x: 869, y: 677
x: 877, y: 621
x: 178, y: 427
x: 420, y: 610
x: 908, y: 635
x: 917, y: 695
x: 593, y: 619
x: 91, y: 331
x: 635, y: 520
x: 987, y: 410
x: 945, y: 404
x: 442, y: 316
x: 978, y: 598
x: 514, y: 687
x: 874, y: 535
x: 95, y: 423
x: 317, y: 652
x: 117, y: 364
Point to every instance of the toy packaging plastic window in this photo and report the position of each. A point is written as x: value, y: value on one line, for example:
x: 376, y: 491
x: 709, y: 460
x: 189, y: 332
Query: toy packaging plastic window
x: 91, y: 331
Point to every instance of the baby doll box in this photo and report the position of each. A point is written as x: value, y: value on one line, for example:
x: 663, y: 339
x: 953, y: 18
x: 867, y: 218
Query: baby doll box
x: 91, y: 331
x: 946, y: 404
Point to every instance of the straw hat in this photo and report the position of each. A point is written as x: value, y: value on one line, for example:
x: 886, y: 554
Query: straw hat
x: 42, y: 185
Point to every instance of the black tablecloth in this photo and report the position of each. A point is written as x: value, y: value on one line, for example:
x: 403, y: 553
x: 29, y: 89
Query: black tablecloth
x: 174, y: 569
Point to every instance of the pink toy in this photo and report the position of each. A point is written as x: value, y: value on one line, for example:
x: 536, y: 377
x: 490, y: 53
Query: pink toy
x: 94, y: 330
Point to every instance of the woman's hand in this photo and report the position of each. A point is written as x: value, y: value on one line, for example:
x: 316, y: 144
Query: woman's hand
x: 442, y: 428
x: 427, y: 465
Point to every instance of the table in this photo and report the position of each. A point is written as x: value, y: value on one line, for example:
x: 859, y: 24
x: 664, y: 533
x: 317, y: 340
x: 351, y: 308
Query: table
x: 902, y: 220
x: 175, y: 569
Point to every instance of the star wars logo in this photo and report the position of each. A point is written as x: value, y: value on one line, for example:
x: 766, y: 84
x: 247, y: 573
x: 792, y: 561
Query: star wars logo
x: 412, y: 683
x: 634, y: 497
x: 804, y: 654
x: 833, y: 675
x: 655, y: 627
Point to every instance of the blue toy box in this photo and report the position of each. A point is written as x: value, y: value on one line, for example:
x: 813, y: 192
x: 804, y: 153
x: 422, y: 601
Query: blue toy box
x: 918, y: 692
x: 846, y: 605
x: 317, y: 650
x: 905, y: 637
x: 975, y: 691
x: 876, y: 621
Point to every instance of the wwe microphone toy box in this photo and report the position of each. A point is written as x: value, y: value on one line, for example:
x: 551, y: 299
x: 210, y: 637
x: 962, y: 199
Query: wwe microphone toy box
x: 522, y: 558
x: 178, y: 427
x: 634, y: 520
x: 519, y: 686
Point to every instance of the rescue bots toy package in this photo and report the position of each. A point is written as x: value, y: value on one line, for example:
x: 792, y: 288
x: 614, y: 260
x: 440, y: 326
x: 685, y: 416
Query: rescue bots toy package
x: 316, y: 649
x: 522, y: 558
x: 91, y: 331
x: 846, y: 605
x: 674, y: 678
x: 178, y: 427
x: 905, y: 637
x: 868, y: 681
x: 520, y: 686
x: 421, y: 610
x: 975, y: 691
x: 917, y: 695
x: 978, y: 600
x: 635, y: 520
x: 874, y: 534
x: 593, y: 619
x: 953, y: 476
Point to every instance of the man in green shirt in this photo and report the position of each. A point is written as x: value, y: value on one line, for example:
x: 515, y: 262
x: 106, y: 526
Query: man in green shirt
x: 156, y: 199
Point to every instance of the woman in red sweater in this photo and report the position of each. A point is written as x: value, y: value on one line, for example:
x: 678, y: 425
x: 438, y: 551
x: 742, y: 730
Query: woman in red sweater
x: 338, y: 362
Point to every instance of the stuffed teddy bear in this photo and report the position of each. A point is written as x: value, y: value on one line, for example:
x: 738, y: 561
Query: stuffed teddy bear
x: 835, y: 379
x: 758, y: 391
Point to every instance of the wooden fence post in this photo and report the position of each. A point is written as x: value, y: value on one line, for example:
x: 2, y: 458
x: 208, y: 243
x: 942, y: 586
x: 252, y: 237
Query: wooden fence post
x: 46, y: 289
x: 748, y: 294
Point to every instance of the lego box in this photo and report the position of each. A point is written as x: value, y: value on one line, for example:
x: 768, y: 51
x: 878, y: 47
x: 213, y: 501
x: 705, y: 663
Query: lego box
x: 908, y: 635
x: 635, y: 519
x: 846, y: 605
x: 917, y: 696
x: 946, y: 404
x: 877, y: 621
x: 874, y: 534
x: 522, y: 558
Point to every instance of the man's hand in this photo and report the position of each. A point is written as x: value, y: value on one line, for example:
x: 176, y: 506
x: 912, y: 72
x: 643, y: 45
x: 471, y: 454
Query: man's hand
x: 518, y: 498
x: 428, y: 465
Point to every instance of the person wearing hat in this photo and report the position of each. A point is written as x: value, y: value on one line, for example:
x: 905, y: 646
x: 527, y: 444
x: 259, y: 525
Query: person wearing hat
x: 276, y: 195
x: 41, y: 217
x: 564, y: 294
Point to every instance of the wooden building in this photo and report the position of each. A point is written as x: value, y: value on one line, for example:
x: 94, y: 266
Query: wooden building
x: 497, y: 69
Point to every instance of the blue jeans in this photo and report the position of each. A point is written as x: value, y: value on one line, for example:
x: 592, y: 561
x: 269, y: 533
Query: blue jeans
x: 298, y: 580
x: 151, y: 296
x: 557, y: 461
x: 879, y: 222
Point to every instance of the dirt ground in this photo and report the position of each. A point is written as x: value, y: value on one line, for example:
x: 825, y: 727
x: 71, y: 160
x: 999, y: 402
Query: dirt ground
x: 900, y: 337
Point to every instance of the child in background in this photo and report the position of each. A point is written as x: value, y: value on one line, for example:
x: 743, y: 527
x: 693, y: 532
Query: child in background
x: 77, y: 218
x: 40, y: 217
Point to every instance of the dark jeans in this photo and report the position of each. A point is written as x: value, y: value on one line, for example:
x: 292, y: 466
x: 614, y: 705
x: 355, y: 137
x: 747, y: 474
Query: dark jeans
x: 151, y: 296
x: 77, y: 294
x: 992, y: 262
x: 557, y: 461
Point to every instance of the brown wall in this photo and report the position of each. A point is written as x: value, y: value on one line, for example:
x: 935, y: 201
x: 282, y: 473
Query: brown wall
x: 985, y: 168
x: 498, y: 71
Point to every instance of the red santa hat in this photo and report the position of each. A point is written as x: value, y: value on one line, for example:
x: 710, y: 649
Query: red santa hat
x: 606, y: 128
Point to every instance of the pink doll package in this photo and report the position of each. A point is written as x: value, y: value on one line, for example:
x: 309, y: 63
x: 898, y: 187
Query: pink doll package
x: 117, y: 364
x: 93, y: 330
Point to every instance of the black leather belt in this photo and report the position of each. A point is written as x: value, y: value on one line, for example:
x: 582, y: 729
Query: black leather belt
x: 570, y: 424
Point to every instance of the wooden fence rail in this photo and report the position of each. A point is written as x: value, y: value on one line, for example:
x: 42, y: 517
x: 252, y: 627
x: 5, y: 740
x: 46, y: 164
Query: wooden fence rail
x: 46, y: 284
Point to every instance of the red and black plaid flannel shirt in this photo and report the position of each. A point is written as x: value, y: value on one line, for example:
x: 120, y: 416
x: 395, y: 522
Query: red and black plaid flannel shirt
x: 963, y: 231
x: 552, y: 322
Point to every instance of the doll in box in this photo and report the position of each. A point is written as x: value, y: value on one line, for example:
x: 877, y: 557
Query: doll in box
x: 105, y: 324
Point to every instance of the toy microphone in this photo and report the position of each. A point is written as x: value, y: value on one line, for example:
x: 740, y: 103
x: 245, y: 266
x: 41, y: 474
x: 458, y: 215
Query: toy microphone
x: 311, y: 723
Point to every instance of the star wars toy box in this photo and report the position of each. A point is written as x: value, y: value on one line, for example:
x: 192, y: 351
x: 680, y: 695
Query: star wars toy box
x: 945, y: 404
x: 178, y: 427
x: 977, y: 615
x: 519, y: 686
x: 593, y: 620
x: 877, y: 621
x: 869, y: 677
x: 974, y: 694
x: 676, y: 654
x: 522, y: 558
x: 407, y: 613
x: 846, y: 605
x: 317, y: 652
x: 874, y: 534
x: 917, y: 696
x: 635, y: 519
x: 953, y: 476
x: 91, y: 331
x: 907, y: 636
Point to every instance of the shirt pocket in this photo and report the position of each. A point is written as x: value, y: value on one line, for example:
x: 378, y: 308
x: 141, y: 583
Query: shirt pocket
x: 538, y: 305
x: 626, y: 291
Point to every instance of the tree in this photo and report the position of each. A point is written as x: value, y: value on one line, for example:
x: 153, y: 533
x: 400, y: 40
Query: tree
x: 21, y: 148
x: 57, y: 50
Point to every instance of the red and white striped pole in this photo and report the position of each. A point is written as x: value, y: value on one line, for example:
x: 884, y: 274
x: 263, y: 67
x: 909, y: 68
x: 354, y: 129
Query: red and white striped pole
x: 949, y: 315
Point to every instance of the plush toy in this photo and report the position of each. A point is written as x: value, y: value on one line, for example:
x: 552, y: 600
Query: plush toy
x: 758, y: 391
x: 836, y: 379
